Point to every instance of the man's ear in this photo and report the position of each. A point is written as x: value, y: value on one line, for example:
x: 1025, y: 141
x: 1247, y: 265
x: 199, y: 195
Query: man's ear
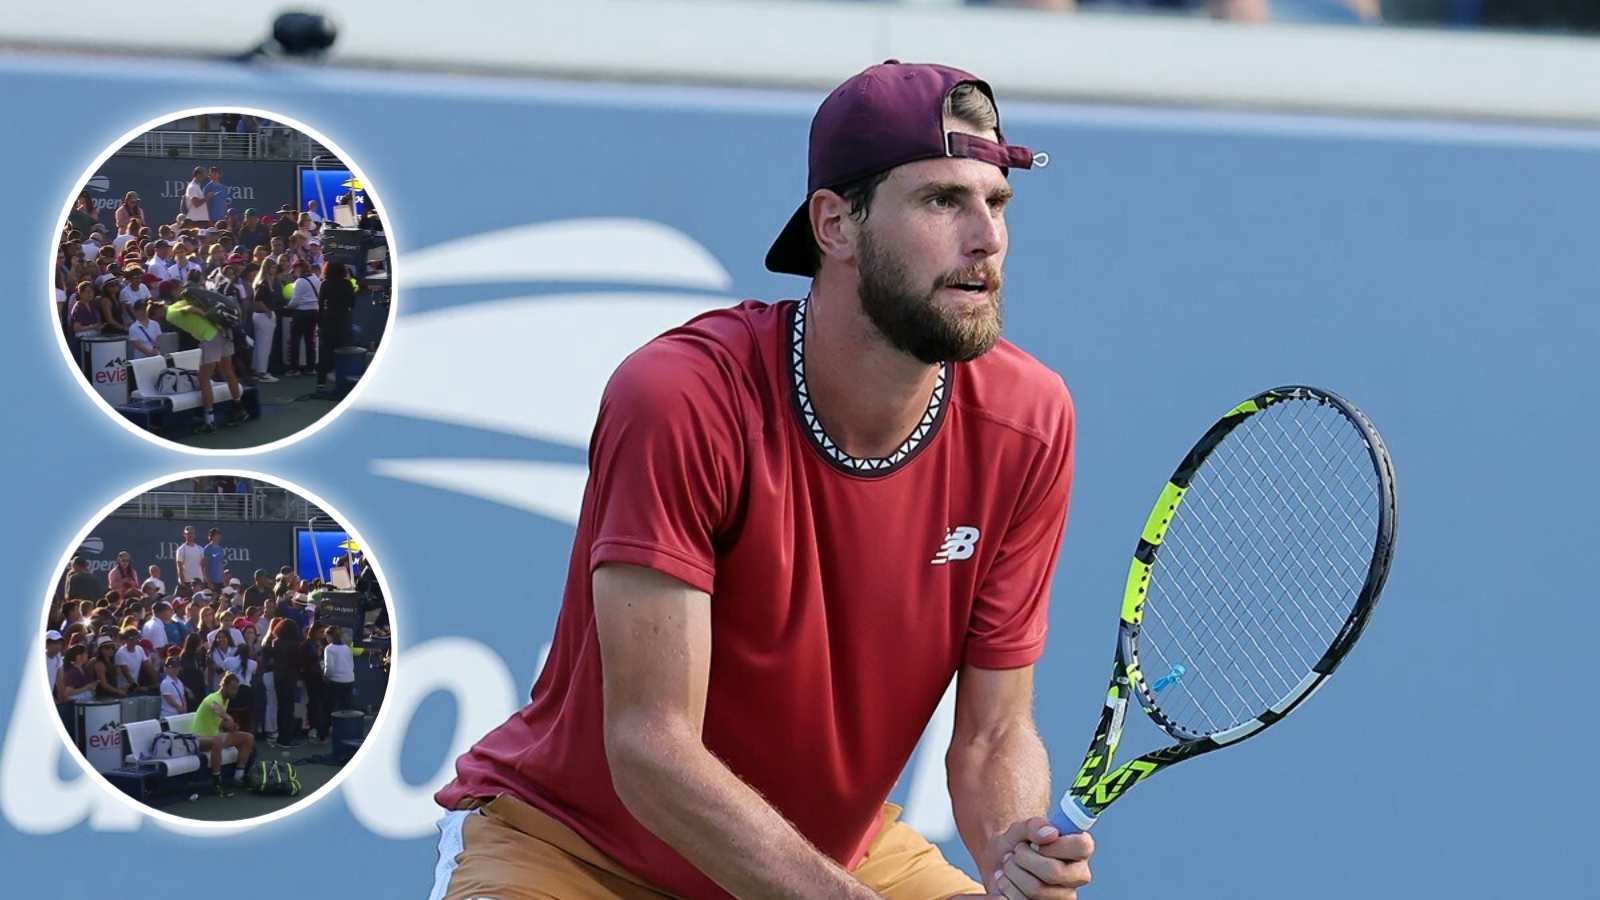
x: 832, y: 226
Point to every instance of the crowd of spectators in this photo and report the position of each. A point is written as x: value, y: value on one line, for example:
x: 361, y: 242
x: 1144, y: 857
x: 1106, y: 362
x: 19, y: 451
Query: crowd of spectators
x: 117, y: 278
x: 136, y: 630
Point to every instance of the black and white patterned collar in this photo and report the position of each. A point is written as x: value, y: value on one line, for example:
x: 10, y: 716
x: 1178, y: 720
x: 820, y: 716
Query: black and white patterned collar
x: 920, y: 436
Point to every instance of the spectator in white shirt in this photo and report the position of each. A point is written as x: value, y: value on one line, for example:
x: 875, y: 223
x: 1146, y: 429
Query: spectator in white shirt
x: 128, y: 232
x: 190, y: 558
x: 339, y: 669
x: 52, y: 654
x: 161, y: 265
x: 143, y: 333
x: 155, y: 579
x: 304, y: 315
x: 194, y: 199
x: 184, y: 268
x: 133, y: 289
x: 133, y: 663
x: 155, y: 629
x: 311, y: 211
x: 175, y: 697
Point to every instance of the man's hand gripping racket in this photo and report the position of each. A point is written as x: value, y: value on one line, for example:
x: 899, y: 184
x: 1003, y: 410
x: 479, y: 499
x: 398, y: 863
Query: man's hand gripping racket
x: 1254, y: 576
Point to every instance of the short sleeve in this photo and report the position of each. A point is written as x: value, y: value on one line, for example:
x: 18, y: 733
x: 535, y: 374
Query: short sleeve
x: 1010, y: 612
x: 665, y: 460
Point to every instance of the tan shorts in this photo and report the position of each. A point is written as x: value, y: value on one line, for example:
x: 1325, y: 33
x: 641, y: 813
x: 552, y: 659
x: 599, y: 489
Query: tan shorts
x: 508, y: 850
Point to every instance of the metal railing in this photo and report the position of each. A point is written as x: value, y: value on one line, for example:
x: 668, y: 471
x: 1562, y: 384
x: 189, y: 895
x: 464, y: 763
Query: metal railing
x: 260, y: 505
x: 271, y: 142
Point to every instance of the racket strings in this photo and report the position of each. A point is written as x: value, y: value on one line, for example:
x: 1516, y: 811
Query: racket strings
x: 1261, y: 567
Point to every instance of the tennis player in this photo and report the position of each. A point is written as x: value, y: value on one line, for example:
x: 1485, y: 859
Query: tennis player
x: 802, y: 519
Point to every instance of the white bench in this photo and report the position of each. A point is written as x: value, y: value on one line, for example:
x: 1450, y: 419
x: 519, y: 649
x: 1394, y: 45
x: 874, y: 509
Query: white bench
x: 139, y: 737
x: 148, y: 369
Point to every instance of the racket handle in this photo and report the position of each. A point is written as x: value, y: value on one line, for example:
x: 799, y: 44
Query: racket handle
x: 1070, y: 818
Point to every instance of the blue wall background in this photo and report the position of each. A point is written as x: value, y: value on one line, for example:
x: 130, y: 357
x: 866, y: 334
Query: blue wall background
x: 259, y: 185
x: 1168, y: 264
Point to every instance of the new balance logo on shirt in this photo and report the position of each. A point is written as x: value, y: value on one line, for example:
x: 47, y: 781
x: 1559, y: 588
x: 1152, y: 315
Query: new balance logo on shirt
x: 959, y: 543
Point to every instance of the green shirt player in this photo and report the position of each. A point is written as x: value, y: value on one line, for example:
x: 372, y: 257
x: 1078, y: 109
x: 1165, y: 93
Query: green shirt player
x: 217, y: 732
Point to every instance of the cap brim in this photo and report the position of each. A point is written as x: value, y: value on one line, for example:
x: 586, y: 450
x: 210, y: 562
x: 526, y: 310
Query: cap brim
x: 794, y: 252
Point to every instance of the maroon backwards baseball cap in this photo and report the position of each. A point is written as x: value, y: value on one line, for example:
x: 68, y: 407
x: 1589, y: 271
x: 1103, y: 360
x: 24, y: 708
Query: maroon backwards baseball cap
x: 886, y: 116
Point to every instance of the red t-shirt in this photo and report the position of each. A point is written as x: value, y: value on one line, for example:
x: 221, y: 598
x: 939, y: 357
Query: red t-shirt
x: 845, y: 592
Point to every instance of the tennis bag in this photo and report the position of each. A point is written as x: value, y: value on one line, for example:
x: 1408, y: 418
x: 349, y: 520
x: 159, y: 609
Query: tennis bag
x: 276, y: 779
x: 202, y: 313
x: 172, y: 745
x: 173, y: 380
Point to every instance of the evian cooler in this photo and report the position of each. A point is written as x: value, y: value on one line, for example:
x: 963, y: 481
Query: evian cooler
x: 99, y: 725
x: 105, y: 361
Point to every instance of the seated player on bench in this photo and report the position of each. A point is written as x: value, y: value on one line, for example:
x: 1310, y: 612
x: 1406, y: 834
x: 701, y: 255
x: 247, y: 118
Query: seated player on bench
x: 217, y: 731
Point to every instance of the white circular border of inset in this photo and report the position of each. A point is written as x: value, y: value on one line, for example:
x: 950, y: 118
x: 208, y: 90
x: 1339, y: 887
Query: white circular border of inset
x: 236, y: 825
x: 394, y: 281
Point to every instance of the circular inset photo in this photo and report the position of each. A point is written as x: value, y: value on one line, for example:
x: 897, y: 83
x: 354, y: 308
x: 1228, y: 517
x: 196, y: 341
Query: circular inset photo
x: 218, y: 648
x: 222, y: 280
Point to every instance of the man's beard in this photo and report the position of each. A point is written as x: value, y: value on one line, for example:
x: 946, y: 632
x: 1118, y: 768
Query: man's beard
x: 916, y: 323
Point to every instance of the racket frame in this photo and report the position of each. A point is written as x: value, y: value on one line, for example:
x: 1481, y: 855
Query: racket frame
x: 1097, y: 784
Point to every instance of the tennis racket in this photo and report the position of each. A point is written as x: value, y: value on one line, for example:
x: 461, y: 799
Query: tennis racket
x: 1254, y: 576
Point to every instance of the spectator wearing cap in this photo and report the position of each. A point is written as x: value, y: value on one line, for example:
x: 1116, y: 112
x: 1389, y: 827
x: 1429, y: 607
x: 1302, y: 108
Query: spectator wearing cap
x: 338, y: 304
x: 133, y: 287
x: 144, y: 333
x: 252, y: 233
x: 259, y: 593
x: 81, y: 585
x: 75, y: 680
x: 178, y: 629
x: 304, y: 315
x: 161, y: 264
x: 93, y: 240
x: 134, y: 669
x: 175, y: 699
x: 52, y: 654
x: 122, y: 577
x: 155, y: 629
x: 284, y: 222
x: 195, y: 206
